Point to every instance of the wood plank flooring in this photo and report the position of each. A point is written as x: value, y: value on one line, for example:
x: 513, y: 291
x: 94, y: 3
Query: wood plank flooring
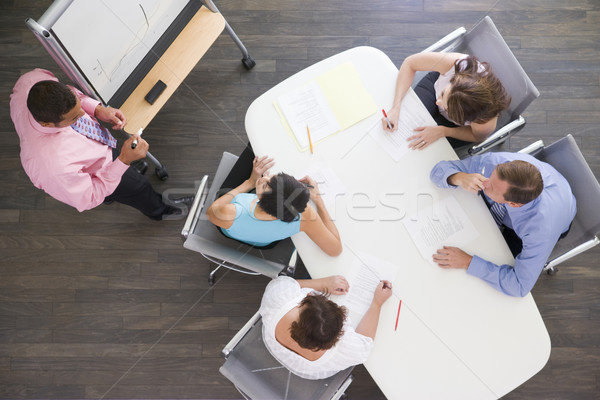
x: 107, y: 304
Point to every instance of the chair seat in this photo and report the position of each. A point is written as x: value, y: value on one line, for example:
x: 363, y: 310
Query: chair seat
x: 258, y: 375
x: 206, y: 239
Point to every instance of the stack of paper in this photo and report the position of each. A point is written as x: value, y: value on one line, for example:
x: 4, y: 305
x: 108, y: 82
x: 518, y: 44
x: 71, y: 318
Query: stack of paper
x: 333, y: 102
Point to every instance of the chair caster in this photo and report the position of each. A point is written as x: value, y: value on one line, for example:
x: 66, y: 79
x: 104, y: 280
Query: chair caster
x: 552, y: 271
x: 248, y: 62
x: 211, y: 279
x: 162, y: 173
x: 140, y: 166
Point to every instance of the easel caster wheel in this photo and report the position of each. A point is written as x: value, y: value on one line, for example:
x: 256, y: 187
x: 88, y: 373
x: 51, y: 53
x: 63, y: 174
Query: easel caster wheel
x: 248, y: 62
x: 162, y: 173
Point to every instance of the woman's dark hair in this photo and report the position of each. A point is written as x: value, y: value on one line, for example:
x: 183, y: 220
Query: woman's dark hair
x: 287, y: 198
x: 475, y: 96
x: 48, y: 101
x: 320, y: 324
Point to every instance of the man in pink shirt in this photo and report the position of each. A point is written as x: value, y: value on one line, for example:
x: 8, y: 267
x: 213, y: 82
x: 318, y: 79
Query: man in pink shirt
x: 69, y: 156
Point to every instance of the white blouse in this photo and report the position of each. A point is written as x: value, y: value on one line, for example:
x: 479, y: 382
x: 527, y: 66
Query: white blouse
x: 282, y: 295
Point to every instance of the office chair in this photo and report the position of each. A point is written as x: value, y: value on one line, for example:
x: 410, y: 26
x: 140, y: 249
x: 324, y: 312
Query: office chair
x: 200, y: 235
x: 564, y: 155
x: 485, y: 42
x: 257, y: 375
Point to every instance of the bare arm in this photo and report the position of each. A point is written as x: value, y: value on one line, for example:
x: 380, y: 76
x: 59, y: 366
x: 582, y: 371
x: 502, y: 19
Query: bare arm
x: 335, y: 284
x: 221, y: 212
x: 425, y: 135
x: 368, y: 324
x: 318, y: 225
x: 440, y: 62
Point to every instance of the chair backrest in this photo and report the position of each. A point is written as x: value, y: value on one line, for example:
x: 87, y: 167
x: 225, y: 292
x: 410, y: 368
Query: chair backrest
x: 564, y: 155
x: 485, y: 42
x: 206, y: 239
x: 257, y: 375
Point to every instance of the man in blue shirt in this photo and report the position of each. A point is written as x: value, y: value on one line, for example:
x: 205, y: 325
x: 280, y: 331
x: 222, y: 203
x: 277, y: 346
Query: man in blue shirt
x: 531, y: 202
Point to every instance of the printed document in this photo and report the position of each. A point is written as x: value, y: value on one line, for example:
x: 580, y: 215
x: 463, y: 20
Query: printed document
x: 307, y: 107
x: 371, y: 271
x: 444, y: 225
x: 411, y: 117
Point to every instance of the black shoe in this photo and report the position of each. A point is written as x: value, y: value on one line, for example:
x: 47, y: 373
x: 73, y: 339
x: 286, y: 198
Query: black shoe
x: 140, y: 166
x: 187, y: 200
x: 177, y: 212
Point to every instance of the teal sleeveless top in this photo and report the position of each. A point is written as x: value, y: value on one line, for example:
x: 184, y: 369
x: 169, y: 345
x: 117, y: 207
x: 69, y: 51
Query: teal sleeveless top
x: 249, y: 229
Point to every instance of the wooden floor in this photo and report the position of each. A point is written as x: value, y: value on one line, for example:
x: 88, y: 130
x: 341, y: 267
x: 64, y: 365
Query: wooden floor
x: 108, y: 304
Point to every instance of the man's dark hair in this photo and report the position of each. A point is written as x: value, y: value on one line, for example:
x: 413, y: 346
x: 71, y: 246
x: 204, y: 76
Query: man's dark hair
x: 320, y: 324
x: 48, y: 101
x: 287, y: 198
x: 525, y: 181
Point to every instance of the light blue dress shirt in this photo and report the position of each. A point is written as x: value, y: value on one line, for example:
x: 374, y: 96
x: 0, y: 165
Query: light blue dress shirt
x: 538, y: 223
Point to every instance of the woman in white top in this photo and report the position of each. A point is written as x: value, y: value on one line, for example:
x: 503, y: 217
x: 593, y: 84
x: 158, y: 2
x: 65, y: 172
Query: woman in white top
x: 308, y: 333
x: 461, y: 93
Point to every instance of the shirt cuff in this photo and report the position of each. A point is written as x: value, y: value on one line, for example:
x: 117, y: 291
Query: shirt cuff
x: 89, y: 106
x: 119, y: 166
x: 477, y: 267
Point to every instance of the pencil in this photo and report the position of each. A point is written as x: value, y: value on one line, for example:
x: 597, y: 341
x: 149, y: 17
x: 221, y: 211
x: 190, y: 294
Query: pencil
x: 398, y: 316
x: 309, y: 141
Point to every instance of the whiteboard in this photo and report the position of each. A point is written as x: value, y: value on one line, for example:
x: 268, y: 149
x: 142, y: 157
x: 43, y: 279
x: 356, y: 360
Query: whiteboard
x: 107, y: 39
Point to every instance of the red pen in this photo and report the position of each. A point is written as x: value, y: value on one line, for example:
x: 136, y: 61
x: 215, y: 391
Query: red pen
x: 398, y: 316
x: 386, y: 119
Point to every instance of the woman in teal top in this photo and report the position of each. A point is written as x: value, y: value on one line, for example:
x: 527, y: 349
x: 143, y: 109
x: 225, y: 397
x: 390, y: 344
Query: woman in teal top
x: 278, y: 210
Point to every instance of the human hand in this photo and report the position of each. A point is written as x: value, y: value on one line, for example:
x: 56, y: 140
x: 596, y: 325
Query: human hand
x: 313, y: 187
x: 260, y: 166
x: 469, y: 182
x: 425, y: 136
x: 129, y: 155
x: 393, y: 116
x: 336, y: 284
x: 452, y: 258
x: 111, y: 115
x: 382, y: 292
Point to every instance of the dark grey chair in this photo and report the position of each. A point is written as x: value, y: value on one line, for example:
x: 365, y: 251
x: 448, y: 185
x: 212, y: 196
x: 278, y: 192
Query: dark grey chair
x: 257, y: 375
x: 565, y: 156
x: 485, y: 42
x: 200, y: 235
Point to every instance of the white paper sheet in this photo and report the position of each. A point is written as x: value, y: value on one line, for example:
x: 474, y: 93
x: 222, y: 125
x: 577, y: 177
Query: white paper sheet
x: 394, y: 143
x: 444, y: 225
x: 371, y: 270
x: 307, y: 106
x: 330, y: 185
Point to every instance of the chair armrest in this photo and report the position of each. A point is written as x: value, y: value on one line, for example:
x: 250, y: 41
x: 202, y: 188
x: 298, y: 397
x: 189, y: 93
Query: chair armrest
x: 497, y: 136
x: 446, y: 40
x: 572, y: 253
x: 196, y: 209
x: 240, y: 335
x: 535, y: 146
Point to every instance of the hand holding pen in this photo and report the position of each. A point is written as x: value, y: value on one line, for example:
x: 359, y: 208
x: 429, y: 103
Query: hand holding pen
x: 480, y: 192
x: 390, y: 119
x: 387, y: 121
x: 135, y: 141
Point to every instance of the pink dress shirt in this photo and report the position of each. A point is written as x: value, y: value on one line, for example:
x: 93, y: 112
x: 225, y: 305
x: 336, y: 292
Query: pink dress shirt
x: 68, y: 166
